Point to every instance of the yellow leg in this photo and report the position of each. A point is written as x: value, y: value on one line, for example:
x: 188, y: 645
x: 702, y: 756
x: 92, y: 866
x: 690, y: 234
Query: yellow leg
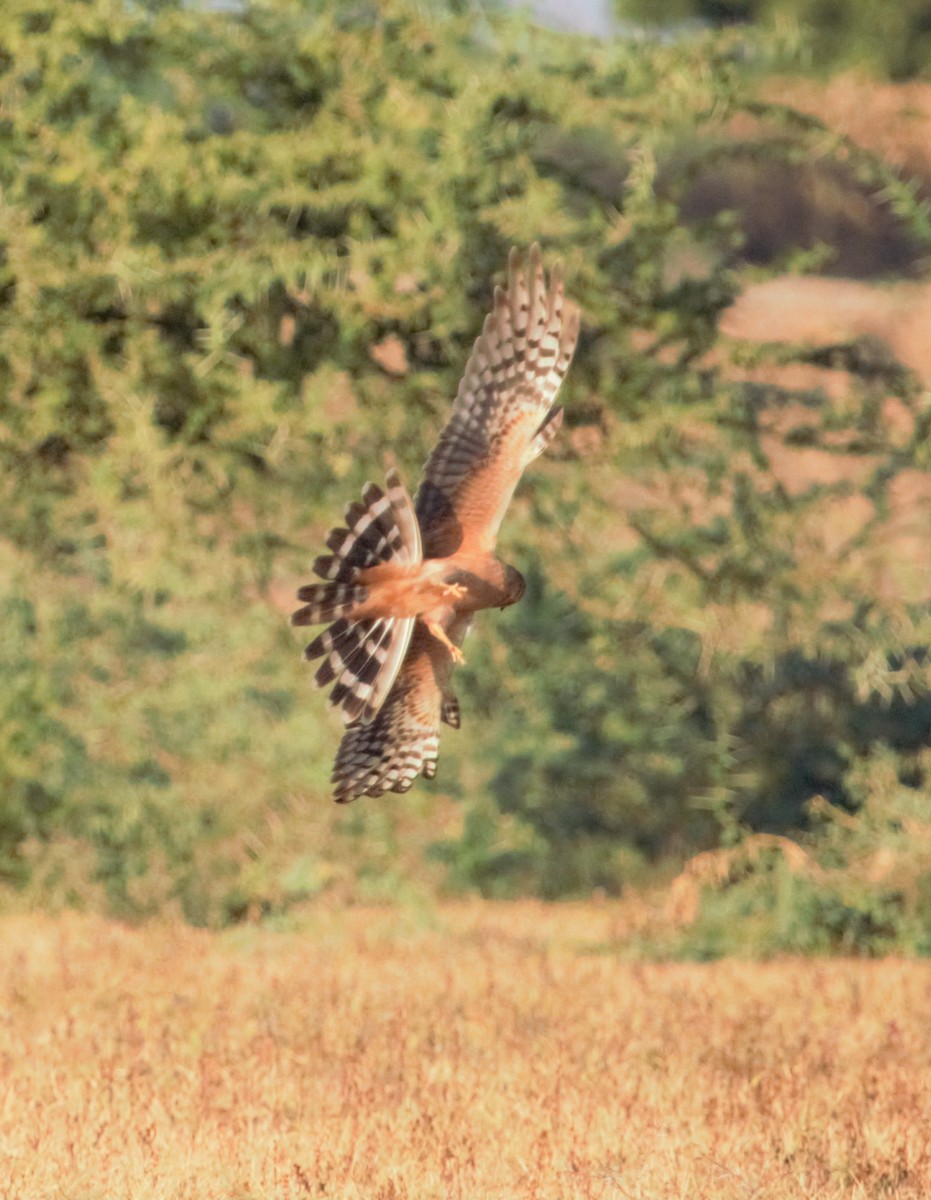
x: 440, y: 634
x: 453, y: 591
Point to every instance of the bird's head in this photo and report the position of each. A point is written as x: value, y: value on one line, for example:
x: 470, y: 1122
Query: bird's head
x: 515, y: 585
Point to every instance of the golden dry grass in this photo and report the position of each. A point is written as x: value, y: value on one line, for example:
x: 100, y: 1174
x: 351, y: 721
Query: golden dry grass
x: 484, y: 1051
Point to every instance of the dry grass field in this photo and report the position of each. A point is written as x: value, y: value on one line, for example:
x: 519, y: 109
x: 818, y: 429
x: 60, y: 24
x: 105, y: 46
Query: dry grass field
x: 479, y: 1051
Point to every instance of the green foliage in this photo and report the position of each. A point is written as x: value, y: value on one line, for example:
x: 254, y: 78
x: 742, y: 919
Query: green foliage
x: 208, y: 222
x: 858, y: 884
x: 39, y: 757
x: 891, y: 38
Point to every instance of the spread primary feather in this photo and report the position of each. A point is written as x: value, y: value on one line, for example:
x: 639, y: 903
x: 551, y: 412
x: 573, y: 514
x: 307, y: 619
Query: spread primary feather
x: 402, y: 580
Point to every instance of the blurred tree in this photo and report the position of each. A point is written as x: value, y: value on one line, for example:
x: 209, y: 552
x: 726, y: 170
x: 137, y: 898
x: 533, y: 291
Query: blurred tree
x: 209, y: 222
x: 892, y: 39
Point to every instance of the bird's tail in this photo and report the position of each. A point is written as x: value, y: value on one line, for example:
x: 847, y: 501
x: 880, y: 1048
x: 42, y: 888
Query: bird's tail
x: 360, y: 658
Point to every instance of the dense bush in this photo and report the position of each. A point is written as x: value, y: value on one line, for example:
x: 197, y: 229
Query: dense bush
x: 891, y: 38
x: 852, y: 884
x: 210, y: 222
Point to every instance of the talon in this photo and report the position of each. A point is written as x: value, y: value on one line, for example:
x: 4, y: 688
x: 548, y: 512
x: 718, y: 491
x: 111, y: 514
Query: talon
x: 454, y: 591
x: 440, y: 634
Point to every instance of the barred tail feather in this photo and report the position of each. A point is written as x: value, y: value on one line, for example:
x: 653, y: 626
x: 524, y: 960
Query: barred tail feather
x: 327, y: 601
x: 394, y: 657
x: 335, y: 645
x: 361, y: 658
x: 403, y: 508
x: 380, y: 529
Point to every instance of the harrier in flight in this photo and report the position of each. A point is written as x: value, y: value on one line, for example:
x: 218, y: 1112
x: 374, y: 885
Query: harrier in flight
x: 404, y: 579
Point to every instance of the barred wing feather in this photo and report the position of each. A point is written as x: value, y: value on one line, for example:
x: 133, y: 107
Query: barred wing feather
x: 503, y: 416
x: 402, y: 741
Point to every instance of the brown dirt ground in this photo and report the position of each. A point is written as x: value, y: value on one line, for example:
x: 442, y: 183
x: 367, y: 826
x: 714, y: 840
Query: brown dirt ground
x: 893, y: 121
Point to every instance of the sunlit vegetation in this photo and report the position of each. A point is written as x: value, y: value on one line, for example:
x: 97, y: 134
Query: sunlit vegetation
x: 891, y: 39
x: 242, y: 258
x: 483, y: 1051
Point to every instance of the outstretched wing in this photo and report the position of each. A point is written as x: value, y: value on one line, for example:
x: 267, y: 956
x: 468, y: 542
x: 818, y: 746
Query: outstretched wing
x: 403, y: 740
x: 503, y: 416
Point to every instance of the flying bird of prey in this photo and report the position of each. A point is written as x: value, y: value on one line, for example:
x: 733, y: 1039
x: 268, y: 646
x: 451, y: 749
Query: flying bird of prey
x: 403, y: 579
